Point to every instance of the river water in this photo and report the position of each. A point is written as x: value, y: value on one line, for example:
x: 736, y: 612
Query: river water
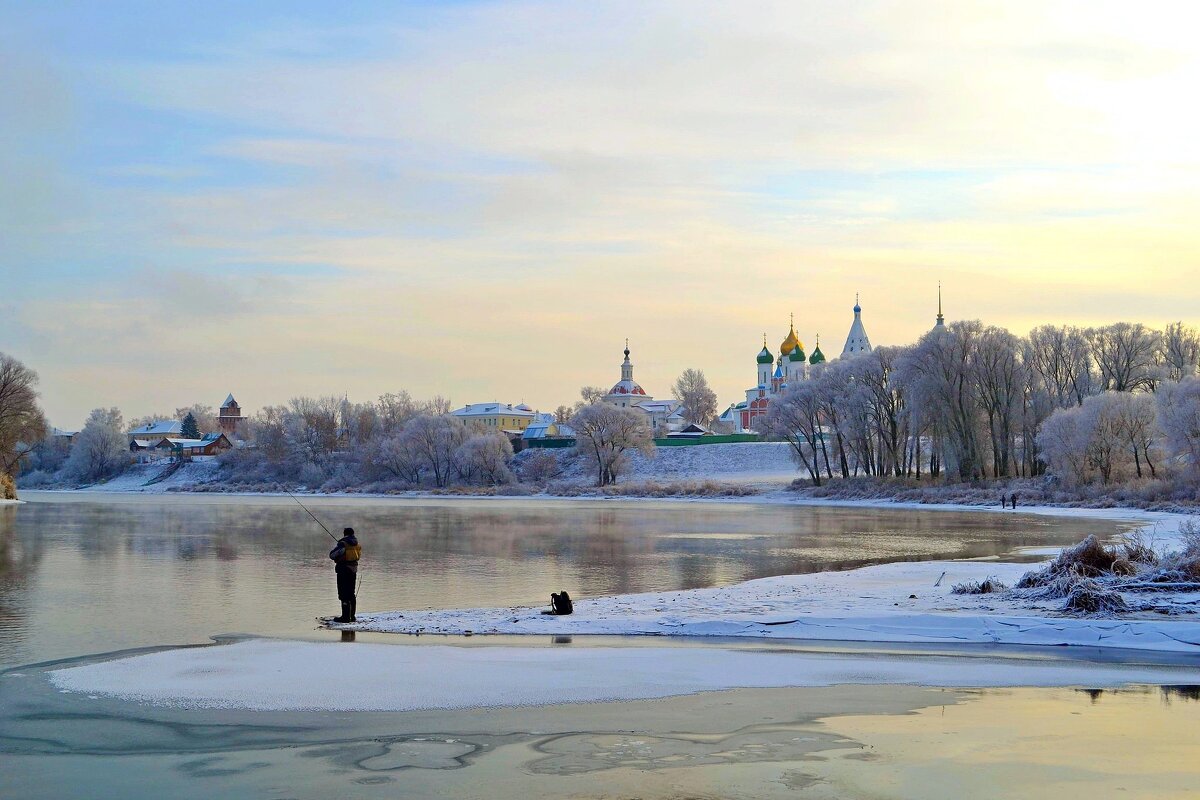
x: 86, y: 573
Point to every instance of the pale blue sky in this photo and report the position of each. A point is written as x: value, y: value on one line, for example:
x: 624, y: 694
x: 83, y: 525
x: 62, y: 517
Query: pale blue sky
x: 484, y: 200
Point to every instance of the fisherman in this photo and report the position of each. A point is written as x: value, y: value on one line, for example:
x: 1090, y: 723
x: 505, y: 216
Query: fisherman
x: 345, y: 557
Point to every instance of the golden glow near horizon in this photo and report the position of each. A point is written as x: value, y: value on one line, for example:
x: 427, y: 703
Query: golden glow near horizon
x: 483, y: 201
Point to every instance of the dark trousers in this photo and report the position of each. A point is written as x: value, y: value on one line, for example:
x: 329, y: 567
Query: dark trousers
x: 345, y: 583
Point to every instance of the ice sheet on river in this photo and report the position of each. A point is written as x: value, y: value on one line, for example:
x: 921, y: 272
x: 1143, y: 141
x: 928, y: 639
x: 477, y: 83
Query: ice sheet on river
x: 307, y: 676
x: 887, y: 603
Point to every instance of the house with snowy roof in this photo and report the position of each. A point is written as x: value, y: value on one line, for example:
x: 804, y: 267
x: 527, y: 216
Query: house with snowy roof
x: 498, y: 416
x: 211, y: 444
x: 157, y: 430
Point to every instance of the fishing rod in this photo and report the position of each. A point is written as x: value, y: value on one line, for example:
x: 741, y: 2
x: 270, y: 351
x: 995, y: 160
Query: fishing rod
x: 314, y: 516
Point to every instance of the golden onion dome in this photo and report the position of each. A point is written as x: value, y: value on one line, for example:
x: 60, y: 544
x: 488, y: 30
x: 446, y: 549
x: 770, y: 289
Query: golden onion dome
x: 790, y: 343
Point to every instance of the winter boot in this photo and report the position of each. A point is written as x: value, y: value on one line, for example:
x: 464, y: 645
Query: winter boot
x: 346, y: 616
x: 353, y: 609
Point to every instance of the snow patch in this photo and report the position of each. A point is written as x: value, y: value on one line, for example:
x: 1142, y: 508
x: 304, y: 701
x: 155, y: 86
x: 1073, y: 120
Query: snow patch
x: 266, y: 675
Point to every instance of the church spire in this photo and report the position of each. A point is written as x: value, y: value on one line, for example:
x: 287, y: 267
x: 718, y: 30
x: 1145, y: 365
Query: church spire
x: 941, y: 321
x: 857, y: 341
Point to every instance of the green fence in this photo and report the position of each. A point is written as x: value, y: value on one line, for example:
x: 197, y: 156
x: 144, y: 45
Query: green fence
x: 731, y: 438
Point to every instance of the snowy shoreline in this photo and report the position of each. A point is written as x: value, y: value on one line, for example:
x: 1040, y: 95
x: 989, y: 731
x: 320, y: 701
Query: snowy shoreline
x: 897, y: 602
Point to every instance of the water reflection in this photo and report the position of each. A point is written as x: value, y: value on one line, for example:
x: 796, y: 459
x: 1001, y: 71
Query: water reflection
x: 833, y: 742
x: 1185, y: 692
x: 84, y: 574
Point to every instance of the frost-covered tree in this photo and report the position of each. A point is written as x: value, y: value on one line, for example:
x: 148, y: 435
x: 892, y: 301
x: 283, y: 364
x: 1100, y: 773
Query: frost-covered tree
x: 1105, y: 439
x: 1063, y: 443
x: 1180, y: 351
x: 886, y: 404
x: 435, y: 441
x: 205, y: 417
x: 999, y: 374
x: 1061, y: 358
x: 190, y: 429
x: 591, y: 394
x: 794, y: 417
x: 1126, y: 355
x: 394, y: 455
x: 699, y: 400
x: 394, y: 410
x: 606, y: 435
x: 941, y: 370
x: 22, y: 423
x: 1110, y: 436
x: 1179, y: 418
x: 1136, y: 420
x: 562, y: 414
x: 99, y: 450
x: 485, y: 457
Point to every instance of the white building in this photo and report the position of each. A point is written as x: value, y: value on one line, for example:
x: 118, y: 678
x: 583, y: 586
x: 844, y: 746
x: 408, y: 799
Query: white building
x: 157, y: 430
x: 627, y: 393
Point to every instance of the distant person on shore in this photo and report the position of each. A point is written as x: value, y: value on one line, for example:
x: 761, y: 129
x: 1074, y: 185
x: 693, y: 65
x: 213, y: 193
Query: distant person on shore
x: 345, y: 566
x: 1014, y: 501
x: 1004, y: 501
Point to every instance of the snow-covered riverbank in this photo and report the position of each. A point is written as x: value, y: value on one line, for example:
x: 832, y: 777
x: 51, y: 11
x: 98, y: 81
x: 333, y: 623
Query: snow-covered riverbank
x: 898, y: 602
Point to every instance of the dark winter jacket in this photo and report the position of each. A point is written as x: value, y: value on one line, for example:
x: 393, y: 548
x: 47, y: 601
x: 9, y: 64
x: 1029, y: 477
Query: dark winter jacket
x: 347, y: 553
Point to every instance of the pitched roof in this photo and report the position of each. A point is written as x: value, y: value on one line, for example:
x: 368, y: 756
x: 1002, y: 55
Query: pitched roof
x: 487, y: 409
x: 229, y: 401
x: 162, y: 427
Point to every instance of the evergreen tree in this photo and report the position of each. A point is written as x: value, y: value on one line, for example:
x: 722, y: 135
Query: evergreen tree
x: 190, y: 429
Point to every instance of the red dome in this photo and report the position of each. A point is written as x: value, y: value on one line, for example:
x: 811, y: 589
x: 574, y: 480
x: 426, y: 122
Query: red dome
x: 627, y: 387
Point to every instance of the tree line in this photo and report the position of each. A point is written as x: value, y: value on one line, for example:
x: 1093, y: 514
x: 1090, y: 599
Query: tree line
x: 972, y: 401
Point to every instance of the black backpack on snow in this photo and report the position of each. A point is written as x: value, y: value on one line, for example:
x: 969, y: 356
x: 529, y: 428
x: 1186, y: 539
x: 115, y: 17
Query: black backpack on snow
x: 560, y: 603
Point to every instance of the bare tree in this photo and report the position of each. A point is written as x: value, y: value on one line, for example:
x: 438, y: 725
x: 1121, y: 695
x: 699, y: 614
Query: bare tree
x: 886, y: 402
x: 699, y: 400
x: 562, y: 414
x: 1063, y: 442
x: 1061, y: 358
x: 395, y: 409
x: 100, y: 449
x: 435, y: 440
x: 1179, y: 418
x: 396, y: 455
x: 206, y: 418
x: 436, y: 406
x: 940, y: 370
x: 22, y: 423
x: 1180, y: 351
x: 1125, y: 353
x: 486, y: 457
x: 606, y: 434
x: 1000, y: 377
x: 1136, y: 421
x: 795, y: 418
x: 591, y: 394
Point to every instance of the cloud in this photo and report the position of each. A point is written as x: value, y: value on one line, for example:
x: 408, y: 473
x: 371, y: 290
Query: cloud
x: 484, y: 199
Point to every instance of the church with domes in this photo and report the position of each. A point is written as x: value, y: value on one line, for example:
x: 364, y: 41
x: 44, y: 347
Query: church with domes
x: 792, y: 365
x: 662, y: 415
